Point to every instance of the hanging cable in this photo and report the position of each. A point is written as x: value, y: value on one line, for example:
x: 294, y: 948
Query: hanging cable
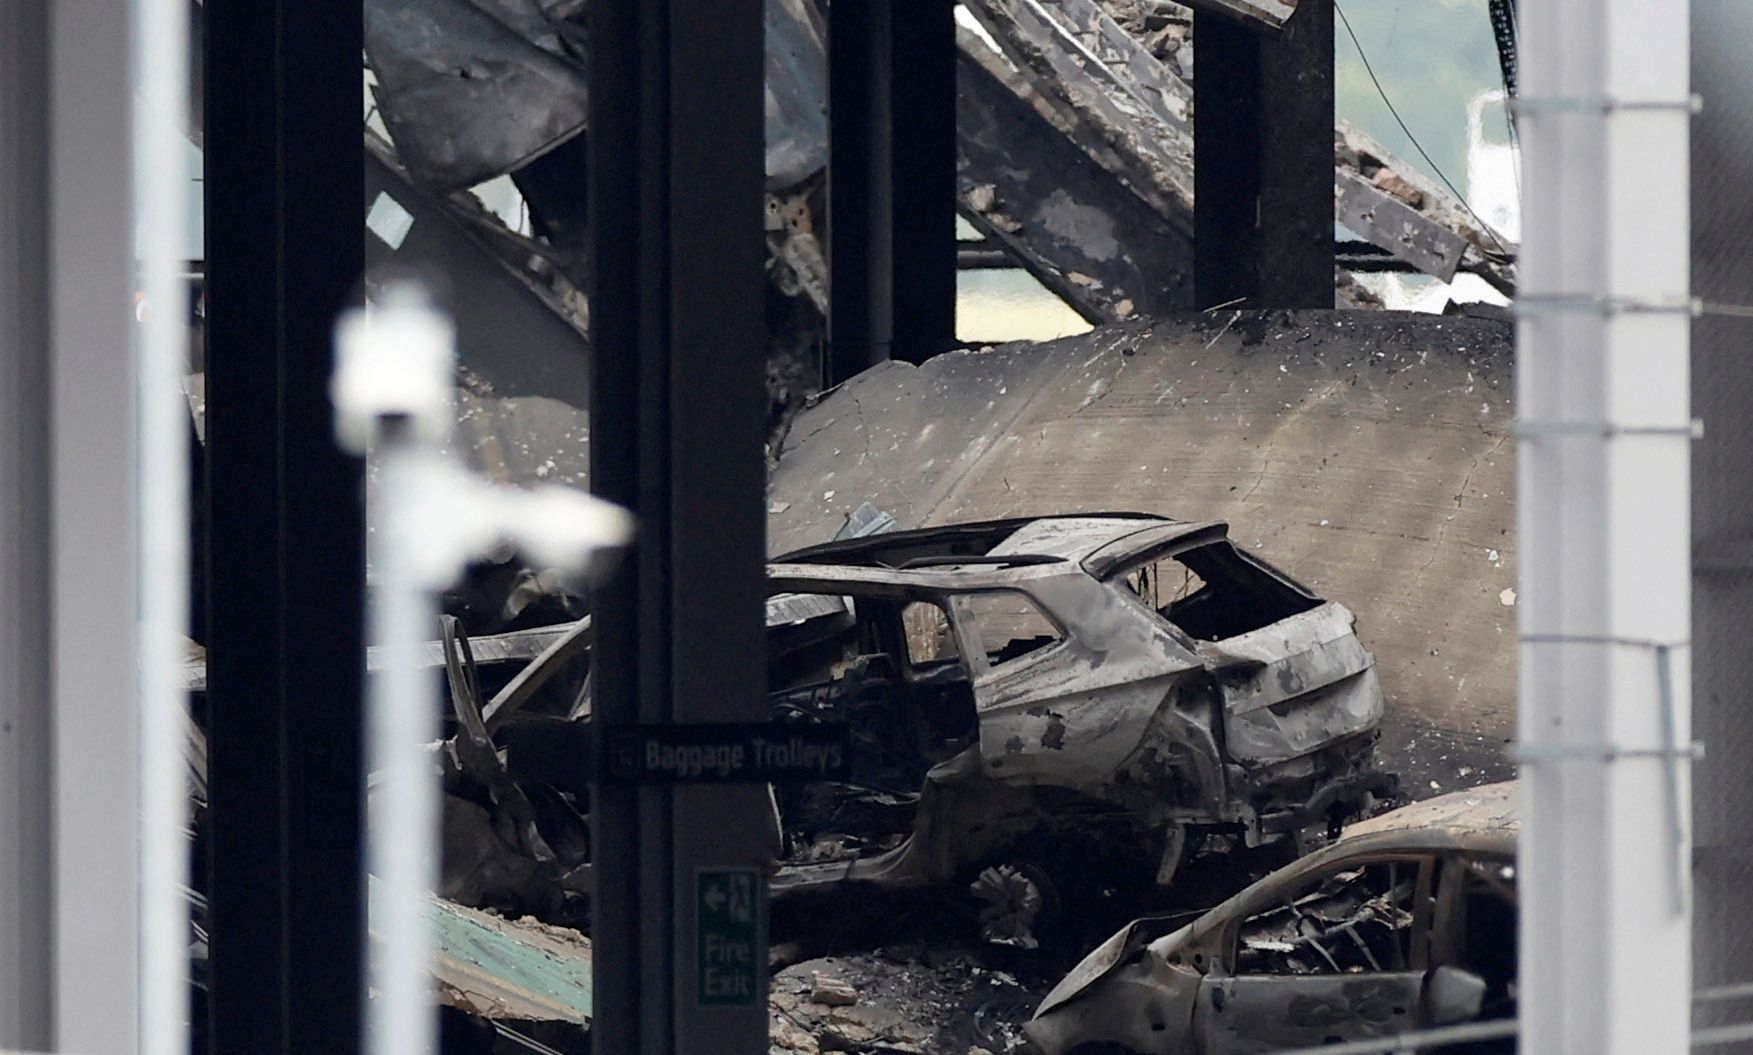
x: 1389, y: 103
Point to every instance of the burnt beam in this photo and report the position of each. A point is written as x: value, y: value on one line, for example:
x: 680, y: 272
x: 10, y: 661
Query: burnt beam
x: 923, y: 179
x: 891, y: 183
x: 1263, y: 161
x: 284, y: 562
x: 861, y: 207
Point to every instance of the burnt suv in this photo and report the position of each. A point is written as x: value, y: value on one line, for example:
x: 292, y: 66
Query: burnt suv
x: 1116, y: 678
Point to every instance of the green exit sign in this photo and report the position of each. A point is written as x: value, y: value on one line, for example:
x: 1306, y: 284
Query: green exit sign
x: 731, y: 948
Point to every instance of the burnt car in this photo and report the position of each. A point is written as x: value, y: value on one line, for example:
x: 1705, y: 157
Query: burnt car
x: 1406, y: 922
x: 1119, y: 685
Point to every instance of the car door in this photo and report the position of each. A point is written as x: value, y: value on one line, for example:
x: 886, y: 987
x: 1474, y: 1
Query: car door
x: 1067, y: 677
x: 1342, y: 955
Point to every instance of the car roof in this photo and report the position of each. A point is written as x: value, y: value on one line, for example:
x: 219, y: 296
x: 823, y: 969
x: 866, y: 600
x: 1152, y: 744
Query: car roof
x: 1485, y: 810
x: 1070, y: 537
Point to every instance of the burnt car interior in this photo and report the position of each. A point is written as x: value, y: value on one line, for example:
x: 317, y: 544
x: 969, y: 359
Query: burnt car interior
x: 1375, y: 917
x: 893, y: 670
x: 1215, y: 591
x: 1395, y: 915
x: 889, y: 668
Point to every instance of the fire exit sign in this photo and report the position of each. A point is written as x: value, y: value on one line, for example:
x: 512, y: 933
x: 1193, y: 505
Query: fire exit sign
x: 728, y: 928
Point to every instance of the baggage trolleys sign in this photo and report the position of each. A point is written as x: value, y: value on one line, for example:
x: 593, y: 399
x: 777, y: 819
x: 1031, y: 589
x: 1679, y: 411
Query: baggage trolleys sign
x: 731, y: 950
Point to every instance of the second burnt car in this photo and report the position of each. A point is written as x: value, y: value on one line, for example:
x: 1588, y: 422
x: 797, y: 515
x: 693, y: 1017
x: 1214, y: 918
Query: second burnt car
x: 1119, y: 684
x: 1406, y: 923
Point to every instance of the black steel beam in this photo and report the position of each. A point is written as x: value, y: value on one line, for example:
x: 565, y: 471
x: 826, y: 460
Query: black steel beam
x: 677, y: 420
x: 861, y: 205
x: 923, y: 179
x: 1022, y: 161
x: 285, y: 539
x: 1263, y: 161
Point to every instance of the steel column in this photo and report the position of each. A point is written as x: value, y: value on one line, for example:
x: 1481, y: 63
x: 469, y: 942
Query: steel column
x: 861, y: 204
x: 923, y: 179
x: 677, y: 412
x: 1263, y: 160
x: 285, y: 568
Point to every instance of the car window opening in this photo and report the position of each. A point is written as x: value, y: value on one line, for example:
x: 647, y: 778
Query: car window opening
x: 1348, y: 922
x: 1009, y: 625
x: 1214, y: 592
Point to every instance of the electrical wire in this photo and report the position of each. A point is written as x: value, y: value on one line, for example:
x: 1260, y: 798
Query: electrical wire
x: 1389, y: 103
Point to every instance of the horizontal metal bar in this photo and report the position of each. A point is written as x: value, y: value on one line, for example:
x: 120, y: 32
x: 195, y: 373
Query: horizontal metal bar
x: 1540, y: 303
x: 1599, y: 104
x: 1599, y: 639
x: 1424, y: 1038
x: 1532, y: 753
x: 983, y: 259
x: 1739, y: 991
x: 1537, y: 429
x: 1735, y: 311
x: 1715, y: 1035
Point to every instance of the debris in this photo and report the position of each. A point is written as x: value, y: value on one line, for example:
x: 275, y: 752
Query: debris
x: 1391, y: 182
x: 831, y: 991
x: 786, y: 1036
x: 981, y: 197
x: 865, y: 520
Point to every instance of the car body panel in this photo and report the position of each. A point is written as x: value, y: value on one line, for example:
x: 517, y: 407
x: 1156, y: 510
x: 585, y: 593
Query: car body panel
x: 1075, y: 711
x: 1255, y: 1015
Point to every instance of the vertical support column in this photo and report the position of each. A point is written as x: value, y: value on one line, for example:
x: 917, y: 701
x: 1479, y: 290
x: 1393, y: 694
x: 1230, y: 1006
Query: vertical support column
x: 68, y: 796
x: 1263, y: 160
x: 861, y: 204
x: 1602, y: 516
x: 677, y: 418
x: 923, y: 180
x: 27, y: 875
x: 285, y: 568
x: 95, y: 640
x: 1722, y: 505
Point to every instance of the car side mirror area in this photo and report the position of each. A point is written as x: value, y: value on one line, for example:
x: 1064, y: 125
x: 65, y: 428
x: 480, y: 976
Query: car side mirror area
x: 1451, y: 996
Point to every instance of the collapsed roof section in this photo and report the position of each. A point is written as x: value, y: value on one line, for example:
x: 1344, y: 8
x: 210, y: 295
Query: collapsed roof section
x: 1075, y: 154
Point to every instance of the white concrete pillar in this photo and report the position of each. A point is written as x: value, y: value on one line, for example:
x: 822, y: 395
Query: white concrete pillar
x: 1603, y: 520
x: 67, y: 689
x: 91, y: 398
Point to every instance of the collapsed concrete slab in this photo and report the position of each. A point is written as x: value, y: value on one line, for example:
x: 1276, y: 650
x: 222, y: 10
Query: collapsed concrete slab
x: 1370, y: 451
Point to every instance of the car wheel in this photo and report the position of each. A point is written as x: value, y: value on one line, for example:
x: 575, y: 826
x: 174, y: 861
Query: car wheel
x: 1017, y: 901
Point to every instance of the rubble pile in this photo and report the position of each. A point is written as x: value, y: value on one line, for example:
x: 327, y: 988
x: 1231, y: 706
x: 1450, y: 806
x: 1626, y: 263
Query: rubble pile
x: 923, y: 998
x: 1164, y: 27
